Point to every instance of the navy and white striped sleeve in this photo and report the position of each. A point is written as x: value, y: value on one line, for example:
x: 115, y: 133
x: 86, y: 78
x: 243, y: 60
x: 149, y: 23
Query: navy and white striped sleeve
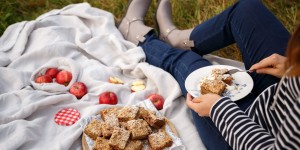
x: 288, y: 136
x: 241, y: 132
x: 237, y: 128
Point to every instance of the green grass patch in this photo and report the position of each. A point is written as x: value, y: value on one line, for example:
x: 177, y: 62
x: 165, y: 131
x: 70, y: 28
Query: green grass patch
x: 186, y: 13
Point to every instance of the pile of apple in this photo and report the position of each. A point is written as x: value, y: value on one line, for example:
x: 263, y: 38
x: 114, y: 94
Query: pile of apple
x: 79, y: 89
x: 63, y: 77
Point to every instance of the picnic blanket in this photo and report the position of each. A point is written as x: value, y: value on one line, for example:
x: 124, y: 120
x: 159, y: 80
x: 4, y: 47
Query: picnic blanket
x: 85, y: 41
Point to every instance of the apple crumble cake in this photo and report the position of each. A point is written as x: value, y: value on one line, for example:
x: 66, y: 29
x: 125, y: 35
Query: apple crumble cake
x: 216, y: 83
x: 93, y: 129
x: 160, y: 140
x: 128, y: 128
x: 102, y: 144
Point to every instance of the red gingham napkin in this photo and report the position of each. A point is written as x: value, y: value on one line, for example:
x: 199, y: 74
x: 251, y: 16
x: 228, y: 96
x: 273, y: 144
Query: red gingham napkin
x: 67, y: 116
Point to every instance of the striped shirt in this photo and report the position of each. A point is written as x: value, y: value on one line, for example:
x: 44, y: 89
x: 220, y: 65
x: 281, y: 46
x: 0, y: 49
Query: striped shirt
x: 271, y: 122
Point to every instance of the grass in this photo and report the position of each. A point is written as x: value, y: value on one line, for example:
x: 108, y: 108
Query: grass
x: 186, y: 13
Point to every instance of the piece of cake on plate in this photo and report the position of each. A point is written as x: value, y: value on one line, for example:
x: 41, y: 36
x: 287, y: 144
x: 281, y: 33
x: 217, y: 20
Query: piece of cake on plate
x: 134, y: 145
x: 216, y: 73
x: 110, y: 122
x: 160, y: 140
x: 151, y: 118
x: 103, y: 113
x: 227, y: 78
x: 119, y: 138
x: 139, y: 129
x: 219, y: 74
x: 212, y: 86
x: 216, y: 83
x: 128, y: 113
x: 102, y: 144
x: 93, y: 129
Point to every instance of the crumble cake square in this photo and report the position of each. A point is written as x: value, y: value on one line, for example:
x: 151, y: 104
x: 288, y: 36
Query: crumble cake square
x: 151, y: 118
x: 110, y: 122
x: 127, y: 113
x: 93, y: 129
x: 111, y: 119
x: 107, y: 129
x: 134, y: 145
x: 103, y: 113
x: 213, y: 86
x: 119, y: 138
x: 102, y: 144
x: 160, y: 140
x: 139, y: 129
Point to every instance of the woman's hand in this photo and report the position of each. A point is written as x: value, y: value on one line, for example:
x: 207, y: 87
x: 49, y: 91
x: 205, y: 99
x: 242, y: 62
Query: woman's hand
x: 273, y: 65
x: 203, y: 104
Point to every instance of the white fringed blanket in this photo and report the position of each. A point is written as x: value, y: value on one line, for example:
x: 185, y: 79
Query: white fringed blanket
x: 85, y: 41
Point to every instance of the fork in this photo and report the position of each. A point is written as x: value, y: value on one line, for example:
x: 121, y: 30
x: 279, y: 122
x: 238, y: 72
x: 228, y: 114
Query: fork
x: 233, y: 71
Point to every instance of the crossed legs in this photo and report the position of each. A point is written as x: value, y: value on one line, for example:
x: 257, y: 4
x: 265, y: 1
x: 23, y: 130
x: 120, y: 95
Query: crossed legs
x: 248, y: 23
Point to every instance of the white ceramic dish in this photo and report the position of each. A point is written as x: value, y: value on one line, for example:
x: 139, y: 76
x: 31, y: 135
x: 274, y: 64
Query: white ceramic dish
x: 242, y: 81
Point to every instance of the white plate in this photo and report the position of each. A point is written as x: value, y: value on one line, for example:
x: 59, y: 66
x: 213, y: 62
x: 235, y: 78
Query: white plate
x: 242, y: 81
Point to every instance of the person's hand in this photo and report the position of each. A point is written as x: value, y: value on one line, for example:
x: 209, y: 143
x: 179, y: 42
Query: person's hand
x: 273, y: 65
x: 203, y: 104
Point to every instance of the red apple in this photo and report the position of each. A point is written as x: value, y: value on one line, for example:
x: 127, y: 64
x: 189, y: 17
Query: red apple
x: 52, y: 72
x: 157, y: 100
x: 64, y: 77
x: 43, y: 79
x: 78, y: 89
x: 108, y: 98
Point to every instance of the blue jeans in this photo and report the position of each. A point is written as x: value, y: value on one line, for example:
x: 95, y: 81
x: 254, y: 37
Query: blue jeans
x: 250, y: 25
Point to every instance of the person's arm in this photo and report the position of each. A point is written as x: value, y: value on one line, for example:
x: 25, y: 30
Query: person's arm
x: 240, y: 131
x: 237, y: 128
x: 273, y: 65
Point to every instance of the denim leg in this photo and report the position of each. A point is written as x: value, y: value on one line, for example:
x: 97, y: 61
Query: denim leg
x: 253, y: 27
x: 179, y: 63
